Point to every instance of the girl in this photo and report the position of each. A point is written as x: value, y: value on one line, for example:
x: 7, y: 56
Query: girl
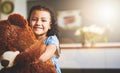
x: 44, y: 24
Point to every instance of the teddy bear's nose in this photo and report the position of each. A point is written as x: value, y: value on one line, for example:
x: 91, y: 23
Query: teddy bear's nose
x: 4, y: 63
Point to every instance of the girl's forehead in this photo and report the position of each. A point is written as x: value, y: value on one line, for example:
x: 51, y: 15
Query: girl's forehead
x: 41, y: 13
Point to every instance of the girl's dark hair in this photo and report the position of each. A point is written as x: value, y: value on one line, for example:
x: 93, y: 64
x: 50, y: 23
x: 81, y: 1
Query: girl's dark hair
x: 54, y: 26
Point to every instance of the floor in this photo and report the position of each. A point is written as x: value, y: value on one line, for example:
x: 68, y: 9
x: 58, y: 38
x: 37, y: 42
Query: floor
x: 90, y: 70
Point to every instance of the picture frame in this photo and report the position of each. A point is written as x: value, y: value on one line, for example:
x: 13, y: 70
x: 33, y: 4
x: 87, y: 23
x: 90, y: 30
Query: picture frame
x: 69, y: 21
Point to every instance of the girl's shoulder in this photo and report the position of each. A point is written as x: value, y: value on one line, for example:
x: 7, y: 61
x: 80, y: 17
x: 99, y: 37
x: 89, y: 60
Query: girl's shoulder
x: 51, y: 40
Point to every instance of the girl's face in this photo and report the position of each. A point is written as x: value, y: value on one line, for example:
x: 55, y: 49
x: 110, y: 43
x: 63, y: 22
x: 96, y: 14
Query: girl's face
x: 40, y: 22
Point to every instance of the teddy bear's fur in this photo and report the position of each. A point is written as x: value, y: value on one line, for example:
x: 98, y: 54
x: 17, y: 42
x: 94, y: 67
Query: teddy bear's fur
x: 16, y: 35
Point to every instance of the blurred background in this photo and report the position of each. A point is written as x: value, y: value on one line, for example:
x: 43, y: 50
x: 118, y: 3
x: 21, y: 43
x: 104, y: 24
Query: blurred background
x: 89, y: 32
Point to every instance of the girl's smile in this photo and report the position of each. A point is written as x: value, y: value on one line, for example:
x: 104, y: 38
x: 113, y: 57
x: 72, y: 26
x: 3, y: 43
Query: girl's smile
x: 38, y: 28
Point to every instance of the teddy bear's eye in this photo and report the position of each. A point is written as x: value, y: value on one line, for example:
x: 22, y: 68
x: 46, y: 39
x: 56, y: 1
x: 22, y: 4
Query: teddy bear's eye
x: 6, y: 48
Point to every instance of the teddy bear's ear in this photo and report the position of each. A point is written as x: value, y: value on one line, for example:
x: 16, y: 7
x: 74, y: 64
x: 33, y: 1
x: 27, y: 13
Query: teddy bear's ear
x: 17, y: 19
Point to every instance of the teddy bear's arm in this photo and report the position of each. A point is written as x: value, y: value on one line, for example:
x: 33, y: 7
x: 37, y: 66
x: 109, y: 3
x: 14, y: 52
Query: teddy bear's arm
x: 31, y: 54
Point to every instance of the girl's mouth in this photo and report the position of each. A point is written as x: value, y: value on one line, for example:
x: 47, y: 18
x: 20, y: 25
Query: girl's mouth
x: 37, y: 27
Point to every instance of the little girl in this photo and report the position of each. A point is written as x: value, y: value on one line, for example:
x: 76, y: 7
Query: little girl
x: 44, y: 24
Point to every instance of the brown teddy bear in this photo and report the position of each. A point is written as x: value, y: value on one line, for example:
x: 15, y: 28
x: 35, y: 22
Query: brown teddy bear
x: 19, y: 49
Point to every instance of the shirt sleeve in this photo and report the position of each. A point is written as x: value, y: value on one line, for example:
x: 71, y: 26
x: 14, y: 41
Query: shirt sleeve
x: 53, y: 40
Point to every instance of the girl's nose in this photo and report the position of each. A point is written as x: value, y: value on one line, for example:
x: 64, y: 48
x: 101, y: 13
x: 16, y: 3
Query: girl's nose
x: 38, y: 22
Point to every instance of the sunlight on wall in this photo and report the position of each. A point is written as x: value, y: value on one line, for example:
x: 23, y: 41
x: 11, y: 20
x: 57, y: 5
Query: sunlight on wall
x: 107, y: 11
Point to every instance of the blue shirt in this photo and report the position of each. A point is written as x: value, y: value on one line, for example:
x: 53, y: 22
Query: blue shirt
x: 54, y: 40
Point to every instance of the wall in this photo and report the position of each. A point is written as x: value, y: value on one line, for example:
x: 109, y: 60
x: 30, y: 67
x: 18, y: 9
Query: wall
x: 20, y: 6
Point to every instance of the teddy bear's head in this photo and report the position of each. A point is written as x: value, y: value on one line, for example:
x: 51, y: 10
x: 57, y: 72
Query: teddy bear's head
x: 15, y: 34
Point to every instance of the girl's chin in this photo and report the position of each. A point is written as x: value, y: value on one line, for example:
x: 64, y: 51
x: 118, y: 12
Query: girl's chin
x: 38, y: 32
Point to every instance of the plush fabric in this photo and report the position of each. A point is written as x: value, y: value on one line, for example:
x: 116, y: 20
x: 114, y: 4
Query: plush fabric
x: 16, y: 35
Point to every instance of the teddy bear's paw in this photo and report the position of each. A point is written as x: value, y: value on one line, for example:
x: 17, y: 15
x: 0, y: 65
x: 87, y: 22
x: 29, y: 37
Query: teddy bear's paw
x: 8, y: 58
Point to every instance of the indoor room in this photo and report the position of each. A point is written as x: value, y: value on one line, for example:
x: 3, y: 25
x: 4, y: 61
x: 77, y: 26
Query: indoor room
x: 89, y: 32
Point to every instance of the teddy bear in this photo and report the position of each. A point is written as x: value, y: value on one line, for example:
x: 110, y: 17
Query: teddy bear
x: 19, y: 48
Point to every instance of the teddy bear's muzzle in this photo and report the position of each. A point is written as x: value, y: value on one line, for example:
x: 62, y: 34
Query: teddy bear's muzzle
x: 4, y: 63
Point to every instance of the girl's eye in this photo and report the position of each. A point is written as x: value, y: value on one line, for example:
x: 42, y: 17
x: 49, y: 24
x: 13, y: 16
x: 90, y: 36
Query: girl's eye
x: 34, y: 19
x: 44, y: 20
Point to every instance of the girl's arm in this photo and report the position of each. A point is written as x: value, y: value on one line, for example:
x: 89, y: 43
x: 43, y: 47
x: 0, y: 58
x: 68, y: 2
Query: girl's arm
x: 50, y: 51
